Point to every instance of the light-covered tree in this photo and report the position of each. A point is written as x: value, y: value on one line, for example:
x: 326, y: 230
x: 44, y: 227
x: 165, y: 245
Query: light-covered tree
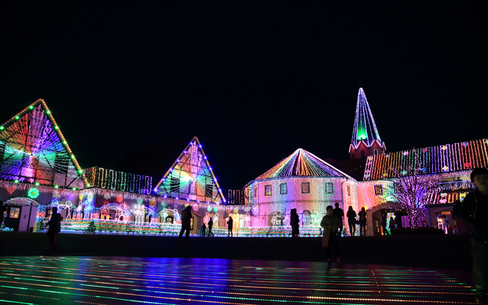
x: 412, y: 189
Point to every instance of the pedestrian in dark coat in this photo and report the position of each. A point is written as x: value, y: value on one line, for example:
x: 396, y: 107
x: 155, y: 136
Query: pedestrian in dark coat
x: 230, y: 224
x: 210, y: 225
x: 330, y: 236
x: 474, y: 211
x: 186, y: 222
x: 54, y: 227
x: 339, y: 213
x: 294, y: 222
x: 362, y: 222
x: 351, y: 220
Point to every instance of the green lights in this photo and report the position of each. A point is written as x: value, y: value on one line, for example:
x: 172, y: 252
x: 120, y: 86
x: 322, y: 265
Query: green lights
x: 17, y: 117
x: 48, y: 112
x: 56, y: 127
x: 37, y: 184
x: 33, y: 193
x: 74, y: 189
x: 72, y: 156
x: 16, y: 181
x: 56, y: 186
x: 2, y: 128
x: 31, y: 107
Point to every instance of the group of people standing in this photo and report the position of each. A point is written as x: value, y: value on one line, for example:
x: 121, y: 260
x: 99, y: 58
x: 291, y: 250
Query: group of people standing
x: 332, y: 223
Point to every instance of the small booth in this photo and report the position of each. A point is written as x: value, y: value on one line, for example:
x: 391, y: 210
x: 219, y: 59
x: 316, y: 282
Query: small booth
x: 20, y: 214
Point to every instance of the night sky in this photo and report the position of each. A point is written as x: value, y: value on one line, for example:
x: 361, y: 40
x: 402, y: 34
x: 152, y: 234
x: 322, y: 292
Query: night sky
x: 252, y: 80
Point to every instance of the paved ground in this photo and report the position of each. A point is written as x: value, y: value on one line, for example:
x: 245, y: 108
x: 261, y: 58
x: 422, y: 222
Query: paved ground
x: 95, y: 269
x: 96, y: 280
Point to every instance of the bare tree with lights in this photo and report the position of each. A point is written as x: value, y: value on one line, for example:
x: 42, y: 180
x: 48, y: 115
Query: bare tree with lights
x: 413, y: 189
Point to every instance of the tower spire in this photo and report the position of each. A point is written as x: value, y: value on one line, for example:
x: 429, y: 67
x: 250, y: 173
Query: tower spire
x: 365, y: 139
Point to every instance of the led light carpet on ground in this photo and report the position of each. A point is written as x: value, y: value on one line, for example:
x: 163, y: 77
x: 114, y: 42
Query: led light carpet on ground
x: 124, y: 280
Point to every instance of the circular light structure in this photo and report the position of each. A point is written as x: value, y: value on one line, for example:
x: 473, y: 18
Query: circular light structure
x: 33, y: 193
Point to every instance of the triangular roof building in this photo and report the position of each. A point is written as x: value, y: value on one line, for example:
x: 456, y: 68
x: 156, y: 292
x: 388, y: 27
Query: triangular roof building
x: 191, y: 177
x: 302, y: 163
x: 33, y: 149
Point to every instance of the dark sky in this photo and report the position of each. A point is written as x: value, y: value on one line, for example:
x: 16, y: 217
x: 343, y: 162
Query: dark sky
x: 253, y: 80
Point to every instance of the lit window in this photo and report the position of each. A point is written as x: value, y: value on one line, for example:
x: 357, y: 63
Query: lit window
x: 267, y: 190
x: 255, y: 192
x: 283, y: 188
x: 14, y: 212
x: 348, y: 188
x: 306, y: 218
x: 329, y: 187
x: 305, y: 187
x: 378, y: 189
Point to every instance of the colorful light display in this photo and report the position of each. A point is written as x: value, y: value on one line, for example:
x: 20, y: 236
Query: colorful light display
x: 435, y: 160
x: 302, y: 181
x: 33, y: 149
x: 118, y: 181
x: 302, y: 163
x: 364, y: 129
x: 191, y: 177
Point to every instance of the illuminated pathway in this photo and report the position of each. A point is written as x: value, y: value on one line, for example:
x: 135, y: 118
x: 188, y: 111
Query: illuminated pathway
x: 123, y: 280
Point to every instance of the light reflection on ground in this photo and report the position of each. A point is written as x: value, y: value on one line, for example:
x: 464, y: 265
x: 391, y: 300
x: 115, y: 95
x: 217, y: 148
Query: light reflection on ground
x: 127, y: 280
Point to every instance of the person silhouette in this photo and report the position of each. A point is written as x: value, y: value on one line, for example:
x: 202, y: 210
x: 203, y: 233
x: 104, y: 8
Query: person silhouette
x: 339, y: 213
x: 210, y: 225
x: 330, y: 235
x: 230, y: 224
x: 186, y: 222
x: 294, y: 222
x: 351, y: 220
x: 473, y: 211
x: 362, y: 222
x: 54, y: 227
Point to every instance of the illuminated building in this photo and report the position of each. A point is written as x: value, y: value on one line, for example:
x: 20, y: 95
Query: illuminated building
x: 365, y: 139
x: 38, y: 171
x: 302, y: 181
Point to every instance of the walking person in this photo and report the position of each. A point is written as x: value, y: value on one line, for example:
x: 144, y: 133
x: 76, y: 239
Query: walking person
x: 474, y: 210
x: 185, y: 222
x: 204, y: 229
x: 294, y: 222
x: 384, y: 216
x: 362, y: 222
x: 330, y: 236
x: 351, y: 220
x: 339, y: 213
x: 210, y: 225
x: 54, y: 227
x: 230, y: 224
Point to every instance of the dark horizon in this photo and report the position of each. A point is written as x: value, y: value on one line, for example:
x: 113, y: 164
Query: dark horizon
x: 253, y: 81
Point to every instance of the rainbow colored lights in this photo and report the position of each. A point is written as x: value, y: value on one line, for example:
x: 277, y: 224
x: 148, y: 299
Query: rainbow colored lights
x: 191, y: 177
x: 33, y: 149
x: 302, y: 163
x: 364, y: 129
x: 439, y: 159
x: 73, y: 280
